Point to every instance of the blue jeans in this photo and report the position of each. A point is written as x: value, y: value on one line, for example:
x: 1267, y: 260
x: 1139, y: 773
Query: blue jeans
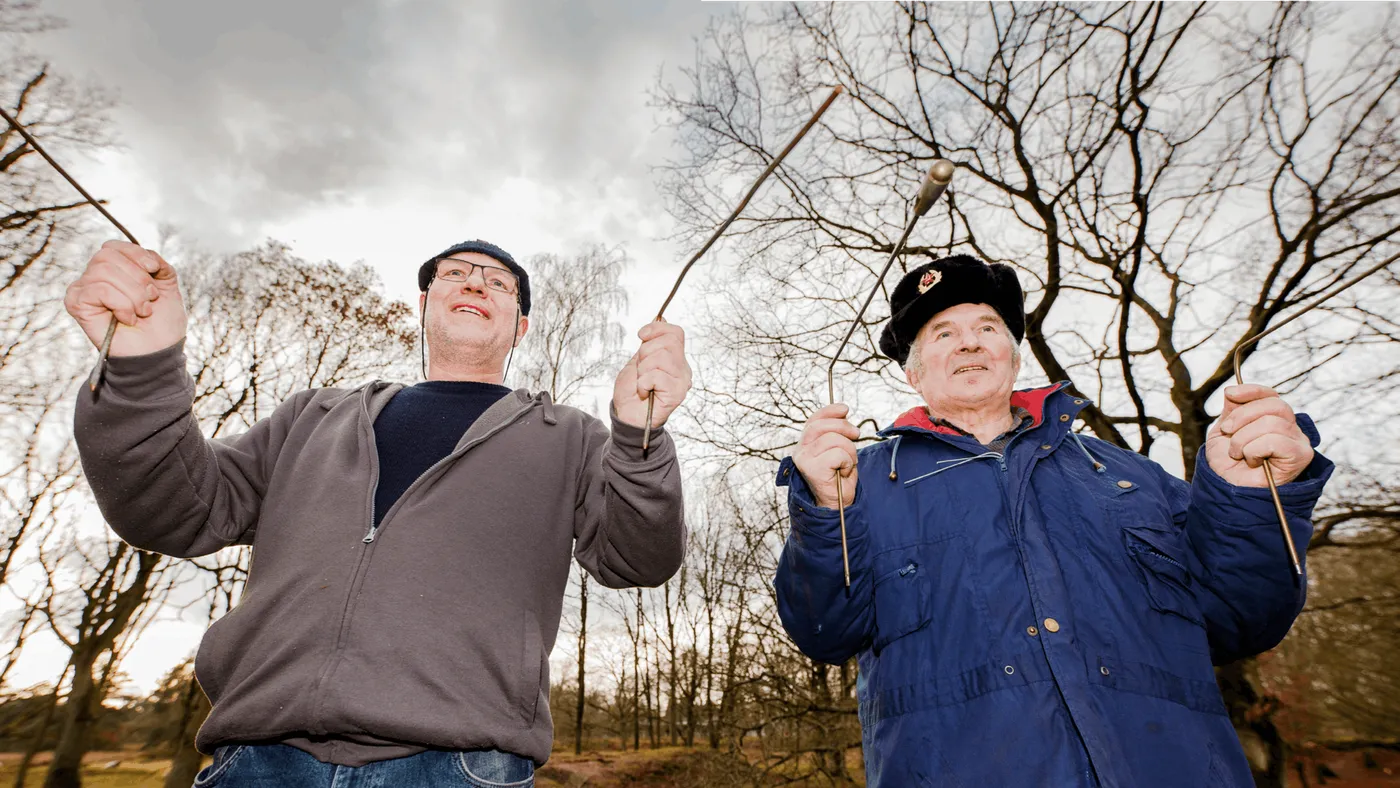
x: 278, y: 765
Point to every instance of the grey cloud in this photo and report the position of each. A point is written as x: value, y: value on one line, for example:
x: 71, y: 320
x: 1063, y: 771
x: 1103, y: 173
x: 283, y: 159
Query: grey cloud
x: 244, y: 113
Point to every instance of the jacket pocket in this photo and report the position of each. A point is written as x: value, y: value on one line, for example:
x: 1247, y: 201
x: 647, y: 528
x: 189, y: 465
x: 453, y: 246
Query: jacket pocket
x: 1161, y: 560
x: 901, y: 593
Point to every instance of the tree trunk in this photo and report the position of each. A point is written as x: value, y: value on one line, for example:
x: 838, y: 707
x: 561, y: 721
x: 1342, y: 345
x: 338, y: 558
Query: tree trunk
x: 636, y: 681
x: 582, y: 654
x: 79, y: 716
x: 671, y: 671
x: 186, y: 763
x: 1253, y: 716
x: 710, y: 728
x: 37, y: 743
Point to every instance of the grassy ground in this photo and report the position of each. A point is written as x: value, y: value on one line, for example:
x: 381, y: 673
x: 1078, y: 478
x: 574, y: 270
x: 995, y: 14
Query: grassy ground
x: 102, y: 770
x: 667, y: 767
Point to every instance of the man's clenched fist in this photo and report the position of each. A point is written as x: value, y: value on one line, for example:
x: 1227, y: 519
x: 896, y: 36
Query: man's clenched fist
x: 137, y: 286
x: 828, y: 447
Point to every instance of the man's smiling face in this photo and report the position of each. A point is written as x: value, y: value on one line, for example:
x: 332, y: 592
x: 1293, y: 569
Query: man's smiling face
x: 964, y: 356
x: 475, y: 317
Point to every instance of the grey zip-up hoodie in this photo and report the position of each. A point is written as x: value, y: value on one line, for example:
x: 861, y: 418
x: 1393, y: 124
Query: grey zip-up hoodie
x: 432, y: 630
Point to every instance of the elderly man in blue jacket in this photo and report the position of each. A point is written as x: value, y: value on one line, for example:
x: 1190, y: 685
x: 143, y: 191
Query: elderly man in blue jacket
x: 1029, y: 606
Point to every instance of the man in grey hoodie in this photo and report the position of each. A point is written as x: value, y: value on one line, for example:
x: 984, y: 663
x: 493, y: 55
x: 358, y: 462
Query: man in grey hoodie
x: 411, y: 544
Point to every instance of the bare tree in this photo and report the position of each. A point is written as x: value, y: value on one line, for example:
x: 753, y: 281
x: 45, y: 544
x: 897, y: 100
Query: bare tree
x: 574, y: 343
x: 114, y: 582
x: 1169, y: 179
x: 574, y: 338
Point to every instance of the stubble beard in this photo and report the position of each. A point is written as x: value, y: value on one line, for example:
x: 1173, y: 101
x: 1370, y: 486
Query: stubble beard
x: 472, y: 350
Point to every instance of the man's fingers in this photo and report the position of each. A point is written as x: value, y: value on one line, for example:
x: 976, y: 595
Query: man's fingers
x: 1271, y: 446
x: 1254, y: 410
x: 1247, y: 392
x: 836, y: 454
x: 664, y: 361
x: 660, y: 328
x: 837, y: 410
x: 100, y: 296
x: 1264, y: 425
x: 1237, y: 396
x: 659, y: 381
x: 820, y: 427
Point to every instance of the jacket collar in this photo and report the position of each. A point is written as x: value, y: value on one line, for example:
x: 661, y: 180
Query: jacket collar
x: 1035, y: 401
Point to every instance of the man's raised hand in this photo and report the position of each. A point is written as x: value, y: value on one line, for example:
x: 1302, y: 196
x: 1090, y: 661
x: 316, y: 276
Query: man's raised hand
x: 828, y: 447
x: 137, y: 286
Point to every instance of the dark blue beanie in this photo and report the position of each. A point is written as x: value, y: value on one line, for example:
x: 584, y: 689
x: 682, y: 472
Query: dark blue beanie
x: 429, y: 269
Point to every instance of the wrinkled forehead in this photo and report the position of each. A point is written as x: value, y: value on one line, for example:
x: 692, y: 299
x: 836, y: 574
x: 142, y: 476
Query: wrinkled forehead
x: 962, y: 315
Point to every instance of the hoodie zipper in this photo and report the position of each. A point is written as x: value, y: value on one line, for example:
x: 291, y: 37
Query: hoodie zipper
x: 374, y: 528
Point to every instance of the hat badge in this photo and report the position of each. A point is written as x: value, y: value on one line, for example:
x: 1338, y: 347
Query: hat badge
x: 929, y: 279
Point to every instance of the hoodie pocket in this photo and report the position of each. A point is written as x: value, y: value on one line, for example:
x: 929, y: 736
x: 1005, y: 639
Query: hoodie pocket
x: 532, y: 668
x: 1161, y: 560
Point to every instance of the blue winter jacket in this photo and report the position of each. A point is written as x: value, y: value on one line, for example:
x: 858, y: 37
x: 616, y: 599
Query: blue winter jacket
x: 1046, y: 616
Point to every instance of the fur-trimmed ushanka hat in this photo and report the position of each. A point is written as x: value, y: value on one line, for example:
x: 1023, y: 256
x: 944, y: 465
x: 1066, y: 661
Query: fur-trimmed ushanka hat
x: 949, y: 281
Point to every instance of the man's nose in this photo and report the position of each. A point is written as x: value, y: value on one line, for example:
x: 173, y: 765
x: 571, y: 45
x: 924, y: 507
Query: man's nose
x: 969, y: 342
x: 476, y: 280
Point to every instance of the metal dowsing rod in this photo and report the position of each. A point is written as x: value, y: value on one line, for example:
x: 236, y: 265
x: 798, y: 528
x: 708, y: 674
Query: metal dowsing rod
x: 935, y: 183
x: 1239, y: 379
x: 96, y: 377
x: 773, y: 165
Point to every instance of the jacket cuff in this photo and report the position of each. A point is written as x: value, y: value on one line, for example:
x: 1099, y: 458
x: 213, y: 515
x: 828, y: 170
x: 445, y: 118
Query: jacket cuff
x: 628, y: 440
x: 811, y: 518
x: 1229, y: 504
x: 151, y: 377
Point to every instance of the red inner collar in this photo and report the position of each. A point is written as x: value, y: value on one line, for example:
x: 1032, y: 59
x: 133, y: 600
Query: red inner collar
x: 1033, y: 400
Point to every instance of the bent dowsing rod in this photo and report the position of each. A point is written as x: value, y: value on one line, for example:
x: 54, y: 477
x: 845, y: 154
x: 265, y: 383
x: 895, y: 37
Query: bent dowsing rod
x: 96, y: 377
x: 1239, y: 379
x: 935, y: 183
x: 773, y: 165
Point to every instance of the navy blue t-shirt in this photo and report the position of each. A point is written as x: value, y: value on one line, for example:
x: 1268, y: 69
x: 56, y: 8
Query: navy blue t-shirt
x: 420, y: 426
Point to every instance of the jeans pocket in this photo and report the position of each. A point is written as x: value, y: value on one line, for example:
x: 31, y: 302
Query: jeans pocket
x: 224, y: 758
x: 496, y: 769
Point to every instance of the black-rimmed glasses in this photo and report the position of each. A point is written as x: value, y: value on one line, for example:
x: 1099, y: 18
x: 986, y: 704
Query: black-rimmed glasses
x: 498, y: 279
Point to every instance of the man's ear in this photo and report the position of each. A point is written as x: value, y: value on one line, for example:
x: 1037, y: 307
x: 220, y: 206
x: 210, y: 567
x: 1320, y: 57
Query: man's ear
x: 911, y: 374
x: 524, y: 326
x: 422, y: 305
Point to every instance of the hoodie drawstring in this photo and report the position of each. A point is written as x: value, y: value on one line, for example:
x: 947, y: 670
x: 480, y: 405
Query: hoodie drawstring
x: 1098, y: 466
x: 951, y: 464
x: 894, y: 452
x: 548, y: 403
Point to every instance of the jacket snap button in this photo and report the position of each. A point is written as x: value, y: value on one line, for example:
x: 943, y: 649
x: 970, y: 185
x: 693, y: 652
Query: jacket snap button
x: 1009, y: 670
x: 1124, y: 483
x: 1045, y: 447
x: 1064, y: 417
x: 1079, y: 402
x: 1051, y: 625
x: 1032, y: 631
x: 1103, y: 670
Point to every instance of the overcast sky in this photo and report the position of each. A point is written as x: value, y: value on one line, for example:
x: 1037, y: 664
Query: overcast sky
x: 381, y: 130
x: 386, y: 130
